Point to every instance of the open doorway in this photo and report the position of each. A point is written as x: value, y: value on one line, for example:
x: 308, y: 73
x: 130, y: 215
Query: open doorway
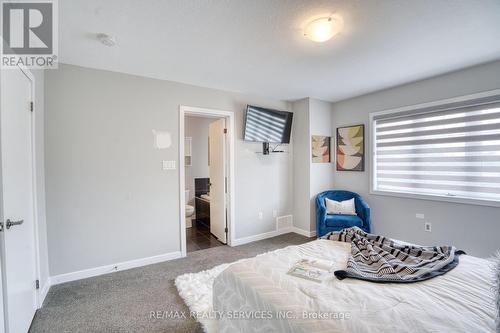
x: 206, y: 164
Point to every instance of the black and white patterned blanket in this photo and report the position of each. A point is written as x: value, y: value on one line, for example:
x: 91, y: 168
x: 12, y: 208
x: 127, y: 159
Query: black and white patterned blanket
x: 379, y: 259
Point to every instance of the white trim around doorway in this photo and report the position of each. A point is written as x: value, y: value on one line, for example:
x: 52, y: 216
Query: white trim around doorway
x: 229, y: 116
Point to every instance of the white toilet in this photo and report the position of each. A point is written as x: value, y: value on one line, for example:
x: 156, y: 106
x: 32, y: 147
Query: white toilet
x: 189, y: 211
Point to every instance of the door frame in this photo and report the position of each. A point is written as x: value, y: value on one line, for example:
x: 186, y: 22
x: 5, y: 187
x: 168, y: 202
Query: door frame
x: 34, y: 178
x: 210, y: 113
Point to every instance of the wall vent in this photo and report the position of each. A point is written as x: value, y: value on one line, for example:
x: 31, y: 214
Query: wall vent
x: 284, y: 222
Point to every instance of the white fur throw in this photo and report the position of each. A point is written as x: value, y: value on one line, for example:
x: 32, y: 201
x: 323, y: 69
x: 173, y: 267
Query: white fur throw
x: 196, y: 289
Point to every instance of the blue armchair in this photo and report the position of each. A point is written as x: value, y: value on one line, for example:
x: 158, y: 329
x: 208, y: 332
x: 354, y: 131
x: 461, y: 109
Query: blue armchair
x: 326, y: 223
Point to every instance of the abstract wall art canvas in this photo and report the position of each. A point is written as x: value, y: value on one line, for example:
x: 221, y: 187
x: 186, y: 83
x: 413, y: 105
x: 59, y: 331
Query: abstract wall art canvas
x: 320, y: 148
x: 351, y: 148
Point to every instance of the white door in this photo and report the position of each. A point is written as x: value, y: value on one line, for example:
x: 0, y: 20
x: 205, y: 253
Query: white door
x: 217, y: 173
x: 19, y: 265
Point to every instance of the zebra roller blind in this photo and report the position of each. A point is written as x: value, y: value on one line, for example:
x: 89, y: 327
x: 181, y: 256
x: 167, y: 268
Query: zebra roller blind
x: 450, y: 150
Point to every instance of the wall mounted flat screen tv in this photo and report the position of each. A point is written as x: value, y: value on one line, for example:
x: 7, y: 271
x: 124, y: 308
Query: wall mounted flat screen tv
x: 266, y: 125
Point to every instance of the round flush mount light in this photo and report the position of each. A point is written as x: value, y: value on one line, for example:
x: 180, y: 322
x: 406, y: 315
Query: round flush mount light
x: 323, y: 28
x: 106, y: 39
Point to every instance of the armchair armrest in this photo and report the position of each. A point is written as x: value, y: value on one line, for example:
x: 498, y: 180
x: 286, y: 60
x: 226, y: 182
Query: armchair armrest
x: 363, y: 211
x: 320, y: 207
x: 320, y: 213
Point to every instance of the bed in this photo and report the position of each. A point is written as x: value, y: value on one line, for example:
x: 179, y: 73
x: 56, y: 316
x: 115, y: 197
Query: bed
x: 257, y: 295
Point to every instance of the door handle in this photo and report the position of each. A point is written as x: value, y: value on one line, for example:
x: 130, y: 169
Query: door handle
x: 10, y: 223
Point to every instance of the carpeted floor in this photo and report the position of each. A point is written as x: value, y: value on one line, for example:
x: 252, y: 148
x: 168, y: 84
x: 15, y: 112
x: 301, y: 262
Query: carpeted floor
x: 122, y: 301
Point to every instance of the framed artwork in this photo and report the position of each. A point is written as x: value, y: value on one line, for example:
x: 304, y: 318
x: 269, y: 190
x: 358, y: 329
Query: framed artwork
x: 320, y: 148
x: 351, y: 148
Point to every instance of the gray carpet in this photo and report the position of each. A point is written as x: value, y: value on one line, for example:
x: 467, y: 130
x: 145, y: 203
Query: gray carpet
x: 122, y: 301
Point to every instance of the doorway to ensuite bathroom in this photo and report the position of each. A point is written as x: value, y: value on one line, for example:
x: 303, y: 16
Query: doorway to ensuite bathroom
x: 206, y: 181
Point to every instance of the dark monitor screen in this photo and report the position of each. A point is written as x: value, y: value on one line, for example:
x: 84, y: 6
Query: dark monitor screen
x: 266, y: 125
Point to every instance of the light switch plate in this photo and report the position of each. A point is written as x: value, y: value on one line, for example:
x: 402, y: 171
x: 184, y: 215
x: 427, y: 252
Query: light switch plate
x: 168, y: 165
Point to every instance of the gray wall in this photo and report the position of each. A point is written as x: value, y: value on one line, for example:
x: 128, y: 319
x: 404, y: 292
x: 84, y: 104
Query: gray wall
x: 301, y: 164
x: 321, y: 174
x: 197, y: 129
x: 472, y: 228
x: 108, y: 199
x: 311, y: 117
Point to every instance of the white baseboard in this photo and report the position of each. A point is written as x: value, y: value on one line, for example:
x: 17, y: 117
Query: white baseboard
x: 270, y: 234
x: 86, y: 273
x: 43, y: 292
x: 91, y: 272
x: 304, y: 232
x: 254, y: 238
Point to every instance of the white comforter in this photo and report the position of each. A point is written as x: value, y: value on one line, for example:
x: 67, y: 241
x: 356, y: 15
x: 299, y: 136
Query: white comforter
x: 462, y: 300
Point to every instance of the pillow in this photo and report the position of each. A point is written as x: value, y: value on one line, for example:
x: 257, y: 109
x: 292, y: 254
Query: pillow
x: 346, y: 207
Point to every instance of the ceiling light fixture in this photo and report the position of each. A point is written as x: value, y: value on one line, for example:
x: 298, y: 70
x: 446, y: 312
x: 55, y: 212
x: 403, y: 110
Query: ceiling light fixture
x: 323, y: 28
x: 106, y: 39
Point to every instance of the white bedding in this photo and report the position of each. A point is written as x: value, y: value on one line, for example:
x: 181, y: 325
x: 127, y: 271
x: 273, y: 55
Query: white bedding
x: 462, y: 300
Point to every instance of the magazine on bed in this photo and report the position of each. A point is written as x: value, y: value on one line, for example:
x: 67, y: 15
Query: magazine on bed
x: 313, y: 270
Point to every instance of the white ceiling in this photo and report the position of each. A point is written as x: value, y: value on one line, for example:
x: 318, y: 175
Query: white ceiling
x: 257, y: 46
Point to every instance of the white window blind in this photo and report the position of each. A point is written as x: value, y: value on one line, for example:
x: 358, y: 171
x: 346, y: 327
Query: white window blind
x: 450, y: 150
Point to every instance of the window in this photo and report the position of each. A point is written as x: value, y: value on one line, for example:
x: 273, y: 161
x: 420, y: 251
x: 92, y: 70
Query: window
x: 444, y: 150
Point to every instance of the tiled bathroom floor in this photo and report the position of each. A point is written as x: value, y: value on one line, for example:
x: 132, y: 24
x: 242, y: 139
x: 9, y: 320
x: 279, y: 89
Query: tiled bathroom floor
x: 200, y: 238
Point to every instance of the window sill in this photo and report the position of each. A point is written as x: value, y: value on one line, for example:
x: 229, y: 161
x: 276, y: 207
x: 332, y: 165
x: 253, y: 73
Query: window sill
x: 461, y: 200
